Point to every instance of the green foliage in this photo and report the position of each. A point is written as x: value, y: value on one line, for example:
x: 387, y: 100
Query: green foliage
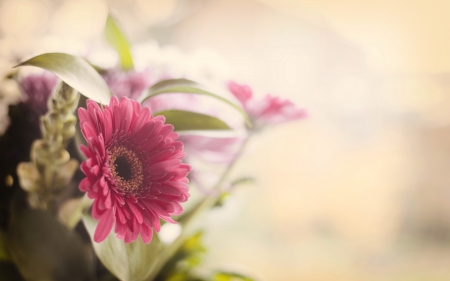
x: 230, y: 276
x: 128, y: 262
x: 187, y: 87
x: 118, y: 41
x: 188, y: 256
x: 76, y: 72
x: 43, y: 249
x: 187, y: 120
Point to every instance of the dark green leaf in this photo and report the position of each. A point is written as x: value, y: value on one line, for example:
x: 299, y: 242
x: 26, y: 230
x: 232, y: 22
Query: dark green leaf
x: 43, y: 249
x: 187, y: 120
x: 76, y: 72
x: 188, y: 87
x: 118, y: 41
x: 129, y: 262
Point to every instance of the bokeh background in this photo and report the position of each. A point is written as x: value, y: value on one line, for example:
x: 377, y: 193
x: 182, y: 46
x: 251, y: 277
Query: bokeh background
x: 359, y: 190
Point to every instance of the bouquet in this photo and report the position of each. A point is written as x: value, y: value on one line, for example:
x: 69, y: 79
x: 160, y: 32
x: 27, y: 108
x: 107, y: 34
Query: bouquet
x: 99, y: 165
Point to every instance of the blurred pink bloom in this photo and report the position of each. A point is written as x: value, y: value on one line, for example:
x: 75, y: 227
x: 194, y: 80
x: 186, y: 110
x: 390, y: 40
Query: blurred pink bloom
x: 268, y: 111
x: 214, y: 151
x: 36, y: 89
x: 211, y: 149
x: 133, y: 169
x: 129, y: 84
x: 172, y: 101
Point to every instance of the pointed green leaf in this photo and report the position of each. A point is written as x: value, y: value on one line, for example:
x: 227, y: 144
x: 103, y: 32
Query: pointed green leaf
x: 44, y: 249
x: 76, y: 72
x: 128, y: 262
x: 187, y: 120
x: 188, y: 87
x: 118, y: 41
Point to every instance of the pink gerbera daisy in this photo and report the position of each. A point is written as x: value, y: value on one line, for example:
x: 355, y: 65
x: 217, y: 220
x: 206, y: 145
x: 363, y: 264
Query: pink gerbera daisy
x: 133, y: 169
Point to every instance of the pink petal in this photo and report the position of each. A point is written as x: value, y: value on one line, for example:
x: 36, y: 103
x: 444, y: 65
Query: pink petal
x: 242, y: 92
x: 136, y: 212
x: 146, y: 234
x: 104, y: 226
x: 165, y: 166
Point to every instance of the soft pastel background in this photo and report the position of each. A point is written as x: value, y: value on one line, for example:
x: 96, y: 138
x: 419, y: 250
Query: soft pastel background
x: 358, y: 191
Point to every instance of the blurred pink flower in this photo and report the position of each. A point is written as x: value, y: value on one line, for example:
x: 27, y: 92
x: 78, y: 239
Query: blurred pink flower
x: 129, y: 84
x: 211, y: 149
x: 133, y: 169
x: 214, y: 151
x: 36, y: 89
x: 268, y: 111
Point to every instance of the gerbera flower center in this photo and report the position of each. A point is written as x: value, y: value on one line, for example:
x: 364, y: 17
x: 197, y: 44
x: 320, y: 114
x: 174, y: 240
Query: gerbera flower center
x: 125, y: 168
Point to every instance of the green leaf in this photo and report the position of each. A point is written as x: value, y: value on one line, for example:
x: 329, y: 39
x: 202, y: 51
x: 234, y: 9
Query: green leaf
x: 230, y: 276
x: 188, y: 87
x: 187, y: 120
x: 76, y: 72
x: 188, y: 256
x: 43, y: 249
x: 118, y: 41
x: 128, y: 262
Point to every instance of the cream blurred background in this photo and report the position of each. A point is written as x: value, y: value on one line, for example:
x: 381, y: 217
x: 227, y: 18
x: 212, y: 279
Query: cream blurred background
x: 358, y: 191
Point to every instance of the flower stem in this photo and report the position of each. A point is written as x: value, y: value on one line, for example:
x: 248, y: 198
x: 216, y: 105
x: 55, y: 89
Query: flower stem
x: 187, y: 223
